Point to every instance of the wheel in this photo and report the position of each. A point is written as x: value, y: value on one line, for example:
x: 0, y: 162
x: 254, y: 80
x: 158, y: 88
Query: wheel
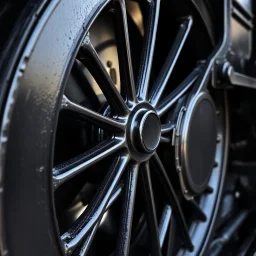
x: 112, y: 139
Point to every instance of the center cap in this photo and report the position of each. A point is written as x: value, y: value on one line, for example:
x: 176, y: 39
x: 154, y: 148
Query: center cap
x: 149, y: 132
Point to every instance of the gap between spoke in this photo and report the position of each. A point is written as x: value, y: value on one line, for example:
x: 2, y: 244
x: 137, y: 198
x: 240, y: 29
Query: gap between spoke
x: 148, y: 48
x: 71, y: 168
x: 177, y: 211
x: 95, y: 210
x: 171, y: 60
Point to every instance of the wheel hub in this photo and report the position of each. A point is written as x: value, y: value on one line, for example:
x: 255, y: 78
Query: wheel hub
x: 143, y: 132
x: 198, y: 144
x: 146, y: 130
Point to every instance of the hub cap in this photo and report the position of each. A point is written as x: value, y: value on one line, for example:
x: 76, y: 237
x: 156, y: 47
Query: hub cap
x: 144, y: 132
x: 198, y: 143
x: 150, y: 131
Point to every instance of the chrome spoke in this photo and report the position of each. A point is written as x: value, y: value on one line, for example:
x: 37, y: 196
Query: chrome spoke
x: 150, y: 211
x: 123, y: 241
x: 174, y: 202
x: 71, y: 168
x: 164, y: 224
x: 101, y: 121
x: 170, y: 62
x: 148, y: 48
x: 124, y: 52
x: 88, y: 240
x: 166, y: 128
x: 165, y: 140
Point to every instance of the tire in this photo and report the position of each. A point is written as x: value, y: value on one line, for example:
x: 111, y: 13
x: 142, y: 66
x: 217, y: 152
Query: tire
x: 89, y: 165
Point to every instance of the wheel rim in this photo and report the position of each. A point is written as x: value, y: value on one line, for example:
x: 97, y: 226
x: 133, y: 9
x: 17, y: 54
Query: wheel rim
x: 125, y: 118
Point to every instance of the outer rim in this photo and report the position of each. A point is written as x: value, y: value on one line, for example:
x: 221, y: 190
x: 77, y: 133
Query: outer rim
x: 39, y: 169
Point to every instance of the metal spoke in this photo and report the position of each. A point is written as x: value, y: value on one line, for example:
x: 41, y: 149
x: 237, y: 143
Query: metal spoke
x: 94, y: 212
x: 88, y: 240
x: 123, y: 243
x: 114, y: 196
x: 174, y: 202
x: 71, y: 168
x: 85, y: 85
x: 170, y: 62
x: 148, y: 48
x: 166, y: 128
x: 150, y: 211
x: 176, y: 94
x: 164, y: 224
x: 101, y: 121
x: 124, y: 52
x: 165, y: 140
x: 90, y: 58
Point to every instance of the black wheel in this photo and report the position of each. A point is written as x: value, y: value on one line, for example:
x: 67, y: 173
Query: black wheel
x: 113, y: 142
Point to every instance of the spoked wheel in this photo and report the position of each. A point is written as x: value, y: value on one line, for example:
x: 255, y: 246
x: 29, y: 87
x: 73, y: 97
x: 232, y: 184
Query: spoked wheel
x: 112, y: 141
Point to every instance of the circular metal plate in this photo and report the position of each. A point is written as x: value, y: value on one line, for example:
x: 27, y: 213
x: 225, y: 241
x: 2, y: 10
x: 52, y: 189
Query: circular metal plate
x: 198, y: 142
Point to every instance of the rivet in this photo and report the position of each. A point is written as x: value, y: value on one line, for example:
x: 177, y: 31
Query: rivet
x: 109, y: 63
x: 218, y: 139
x: 215, y: 164
x: 237, y: 194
